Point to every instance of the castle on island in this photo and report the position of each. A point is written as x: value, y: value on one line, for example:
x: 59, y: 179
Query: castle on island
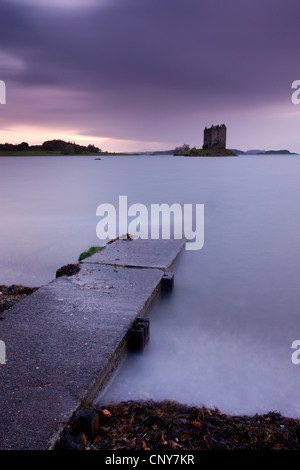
x: 214, y: 144
x: 215, y: 137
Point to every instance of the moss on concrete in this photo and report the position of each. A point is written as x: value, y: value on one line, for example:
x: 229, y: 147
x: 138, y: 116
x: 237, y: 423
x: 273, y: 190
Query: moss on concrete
x: 91, y: 251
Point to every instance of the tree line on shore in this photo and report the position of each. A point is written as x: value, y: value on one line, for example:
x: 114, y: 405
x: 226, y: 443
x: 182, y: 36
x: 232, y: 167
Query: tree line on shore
x: 55, y: 145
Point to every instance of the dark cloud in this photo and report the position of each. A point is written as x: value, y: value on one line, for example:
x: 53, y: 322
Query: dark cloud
x: 150, y: 56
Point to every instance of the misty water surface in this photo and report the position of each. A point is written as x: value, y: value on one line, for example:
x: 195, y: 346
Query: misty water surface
x: 223, y: 338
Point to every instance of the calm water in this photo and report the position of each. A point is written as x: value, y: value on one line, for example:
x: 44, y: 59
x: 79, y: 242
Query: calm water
x: 224, y: 336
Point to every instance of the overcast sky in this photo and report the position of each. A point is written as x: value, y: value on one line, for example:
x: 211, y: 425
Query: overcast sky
x: 150, y: 74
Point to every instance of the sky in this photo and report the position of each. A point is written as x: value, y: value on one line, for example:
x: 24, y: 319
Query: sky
x: 145, y: 75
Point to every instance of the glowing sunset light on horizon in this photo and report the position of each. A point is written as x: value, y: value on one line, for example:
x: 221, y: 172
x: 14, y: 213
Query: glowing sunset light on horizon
x: 37, y: 135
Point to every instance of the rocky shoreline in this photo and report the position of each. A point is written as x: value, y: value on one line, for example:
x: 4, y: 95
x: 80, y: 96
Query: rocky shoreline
x: 10, y: 295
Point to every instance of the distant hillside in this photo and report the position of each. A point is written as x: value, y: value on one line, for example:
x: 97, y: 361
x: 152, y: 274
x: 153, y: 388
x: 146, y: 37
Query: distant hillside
x: 163, y: 152
x: 157, y: 152
x: 277, y: 152
x: 263, y: 152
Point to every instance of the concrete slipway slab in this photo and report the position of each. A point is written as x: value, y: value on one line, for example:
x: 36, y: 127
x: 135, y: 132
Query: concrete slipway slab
x: 64, y: 341
x: 141, y: 253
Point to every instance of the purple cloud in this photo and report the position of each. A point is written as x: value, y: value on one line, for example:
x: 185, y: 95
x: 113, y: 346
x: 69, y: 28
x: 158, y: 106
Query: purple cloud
x: 148, y: 69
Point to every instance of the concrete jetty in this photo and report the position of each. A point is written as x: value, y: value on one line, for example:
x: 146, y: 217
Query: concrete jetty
x: 64, y: 342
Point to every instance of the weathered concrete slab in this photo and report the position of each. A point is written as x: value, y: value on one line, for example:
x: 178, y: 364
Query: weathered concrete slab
x: 62, y: 345
x: 159, y: 254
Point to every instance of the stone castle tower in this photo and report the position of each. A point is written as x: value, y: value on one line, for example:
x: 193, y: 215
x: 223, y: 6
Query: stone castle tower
x: 215, y: 137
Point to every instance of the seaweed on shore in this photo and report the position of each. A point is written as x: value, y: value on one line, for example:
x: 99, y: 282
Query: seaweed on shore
x: 10, y: 295
x: 173, y: 426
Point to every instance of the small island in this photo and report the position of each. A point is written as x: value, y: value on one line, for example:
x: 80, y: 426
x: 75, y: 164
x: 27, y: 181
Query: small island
x: 214, y: 144
x: 186, y: 151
